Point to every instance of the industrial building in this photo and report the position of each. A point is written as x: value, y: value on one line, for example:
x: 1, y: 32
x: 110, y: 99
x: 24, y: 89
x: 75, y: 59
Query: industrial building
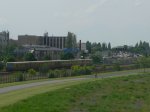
x: 39, y: 52
x: 30, y: 40
x: 50, y: 41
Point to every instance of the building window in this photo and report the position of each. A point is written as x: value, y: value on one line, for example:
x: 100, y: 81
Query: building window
x: 54, y: 42
x: 51, y: 42
x: 44, y: 40
x: 60, y: 43
x: 47, y: 41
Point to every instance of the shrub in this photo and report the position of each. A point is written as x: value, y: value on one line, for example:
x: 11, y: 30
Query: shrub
x: 31, y: 72
x: 19, y: 75
x: 44, y: 68
x: 79, y: 70
x: 29, y: 57
x: 63, y: 73
x: 1, y: 66
x: 97, y: 58
x: 51, y: 74
x: 117, y: 67
x: 57, y: 73
x: 76, y: 70
x: 67, y: 56
x: 103, y: 68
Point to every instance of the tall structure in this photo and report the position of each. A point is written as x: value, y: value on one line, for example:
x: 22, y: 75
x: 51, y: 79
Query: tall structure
x: 82, y: 46
x: 55, y: 41
x: 71, y: 41
x: 4, y: 40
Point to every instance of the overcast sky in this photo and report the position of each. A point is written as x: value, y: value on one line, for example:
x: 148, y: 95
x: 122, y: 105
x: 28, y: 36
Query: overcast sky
x: 116, y: 21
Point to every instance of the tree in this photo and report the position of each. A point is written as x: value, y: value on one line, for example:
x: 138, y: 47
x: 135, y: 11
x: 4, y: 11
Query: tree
x: 94, y: 47
x: 97, y: 58
x: 47, y: 57
x: 99, y: 46
x: 71, y: 45
x: 141, y: 48
x: 104, y: 46
x: 67, y: 56
x: 1, y: 66
x: 144, y: 62
x: 44, y: 68
x: 71, y: 40
x: 88, y: 46
x: 137, y: 45
x: 29, y: 57
x: 31, y: 72
x: 10, y: 49
x: 109, y: 46
x: 125, y: 47
x: 10, y: 59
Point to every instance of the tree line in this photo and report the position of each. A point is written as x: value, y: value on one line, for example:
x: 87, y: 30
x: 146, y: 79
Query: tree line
x: 141, y: 47
x: 94, y: 47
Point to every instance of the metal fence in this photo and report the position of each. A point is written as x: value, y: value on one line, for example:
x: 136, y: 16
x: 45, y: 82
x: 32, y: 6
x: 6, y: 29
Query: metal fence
x: 9, y: 78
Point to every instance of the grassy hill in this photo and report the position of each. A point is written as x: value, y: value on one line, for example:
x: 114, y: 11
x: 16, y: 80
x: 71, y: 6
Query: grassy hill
x: 121, y: 94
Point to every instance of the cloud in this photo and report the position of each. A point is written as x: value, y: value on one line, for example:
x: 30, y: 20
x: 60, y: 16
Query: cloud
x: 3, y: 21
x: 92, y: 8
x: 138, y: 3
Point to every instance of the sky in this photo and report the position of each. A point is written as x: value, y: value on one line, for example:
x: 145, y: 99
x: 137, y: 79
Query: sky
x: 121, y: 22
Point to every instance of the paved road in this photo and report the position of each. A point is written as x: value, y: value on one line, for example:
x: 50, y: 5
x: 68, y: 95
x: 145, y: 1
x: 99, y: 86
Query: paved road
x: 23, y: 86
x: 19, y: 87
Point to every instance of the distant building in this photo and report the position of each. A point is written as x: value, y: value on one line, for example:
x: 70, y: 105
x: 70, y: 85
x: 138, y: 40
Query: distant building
x: 30, y: 40
x: 122, y: 48
x: 50, y: 41
x: 39, y: 52
x: 4, y: 39
x: 82, y: 46
x: 42, y: 51
x: 13, y: 42
x: 45, y: 45
x: 55, y: 41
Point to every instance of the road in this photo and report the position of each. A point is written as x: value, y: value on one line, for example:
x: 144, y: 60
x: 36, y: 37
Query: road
x: 29, y: 85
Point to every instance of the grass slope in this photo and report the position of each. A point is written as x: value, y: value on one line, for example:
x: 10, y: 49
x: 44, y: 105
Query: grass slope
x: 15, y: 96
x: 121, y: 94
x: 34, y: 81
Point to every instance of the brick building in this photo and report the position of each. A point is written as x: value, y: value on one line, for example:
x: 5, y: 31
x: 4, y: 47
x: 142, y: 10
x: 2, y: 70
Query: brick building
x: 30, y: 40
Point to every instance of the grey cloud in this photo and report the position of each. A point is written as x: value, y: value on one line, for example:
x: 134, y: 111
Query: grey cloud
x: 116, y: 21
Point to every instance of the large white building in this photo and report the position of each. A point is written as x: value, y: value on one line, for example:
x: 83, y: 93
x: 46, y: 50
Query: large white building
x: 4, y: 39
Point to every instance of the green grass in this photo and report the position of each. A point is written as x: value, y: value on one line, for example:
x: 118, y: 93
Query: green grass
x: 15, y: 96
x: 121, y: 94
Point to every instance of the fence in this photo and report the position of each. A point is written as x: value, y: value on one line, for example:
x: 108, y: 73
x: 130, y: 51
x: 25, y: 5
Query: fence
x: 25, y: 76
x: 8, y: 78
